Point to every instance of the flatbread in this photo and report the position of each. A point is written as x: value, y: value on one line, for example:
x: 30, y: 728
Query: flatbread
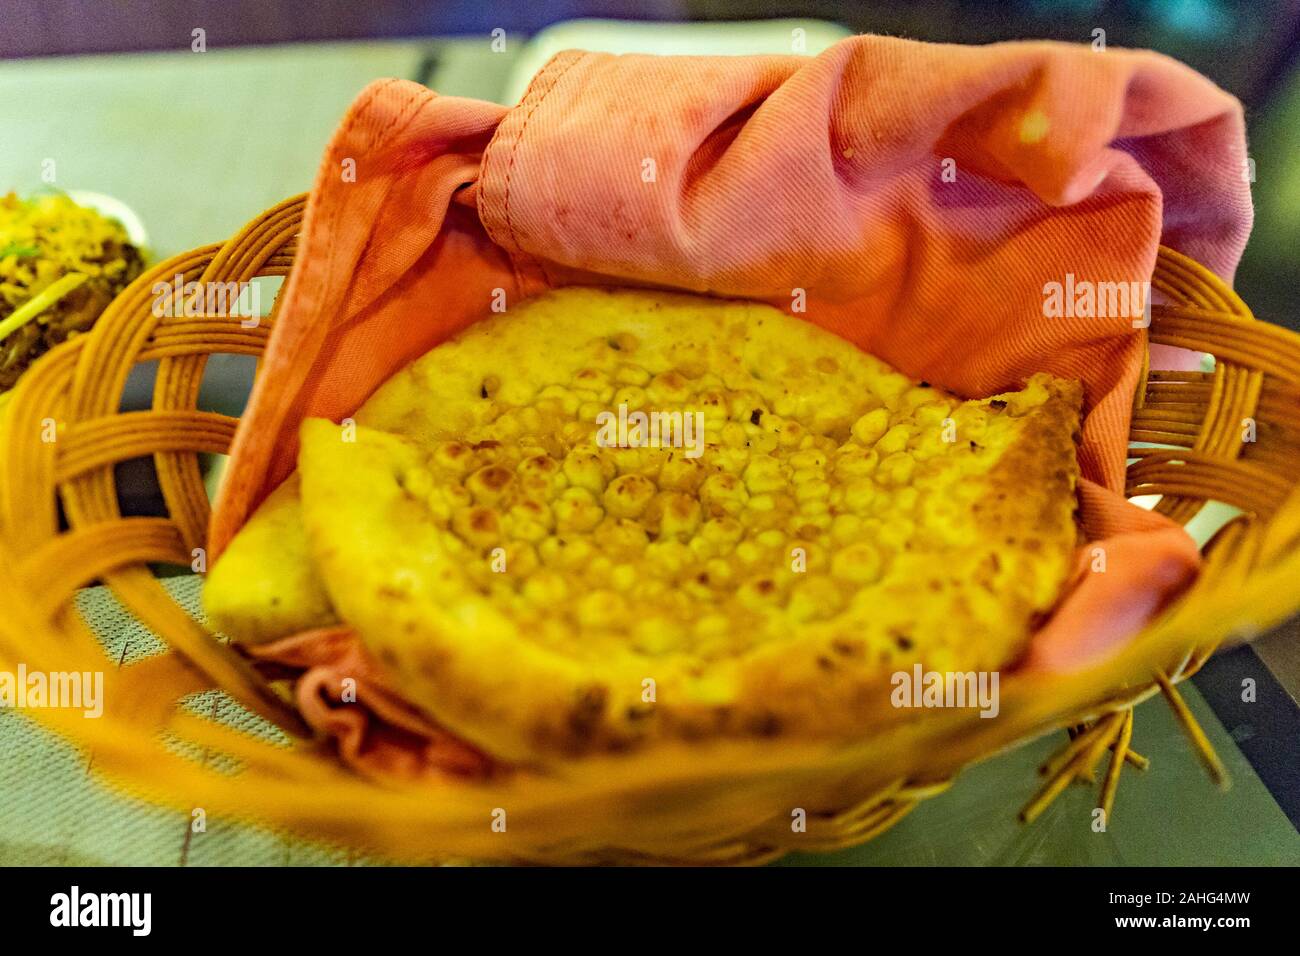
x: 265, y: 585
x: 542, y: 594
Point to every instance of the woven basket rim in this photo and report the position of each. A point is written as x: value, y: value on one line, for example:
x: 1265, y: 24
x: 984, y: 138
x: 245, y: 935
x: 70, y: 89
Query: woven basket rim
x: 1197, y: 416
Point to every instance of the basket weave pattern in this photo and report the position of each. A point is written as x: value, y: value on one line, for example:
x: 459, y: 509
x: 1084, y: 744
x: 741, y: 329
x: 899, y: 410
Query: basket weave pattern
x: 61, y: 434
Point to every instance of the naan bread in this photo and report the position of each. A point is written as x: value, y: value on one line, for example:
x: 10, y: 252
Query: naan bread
x: 265, y: 584
x: 542, y: 595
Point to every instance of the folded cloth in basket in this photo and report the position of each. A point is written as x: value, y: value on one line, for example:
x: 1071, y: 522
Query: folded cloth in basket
x: 929, y: 203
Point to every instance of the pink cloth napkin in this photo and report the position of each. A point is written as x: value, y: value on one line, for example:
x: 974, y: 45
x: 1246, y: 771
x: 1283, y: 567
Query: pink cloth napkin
x: 919, y: 197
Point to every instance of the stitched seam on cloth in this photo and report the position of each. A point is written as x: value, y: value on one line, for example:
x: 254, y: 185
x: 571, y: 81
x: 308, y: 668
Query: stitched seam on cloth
x: 535, y: 261
x: 485, y: 202
x: 502, y: 134
x: 514, y: 147
x: 499, y: 137
x: 296, y: 278
x: 346, y: 129
x: 332, y: 216
x: 383, y: 135
x: 537, y: 94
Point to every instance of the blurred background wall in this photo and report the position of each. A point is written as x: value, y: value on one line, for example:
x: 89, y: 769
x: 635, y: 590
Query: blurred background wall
x: 1245, y: 45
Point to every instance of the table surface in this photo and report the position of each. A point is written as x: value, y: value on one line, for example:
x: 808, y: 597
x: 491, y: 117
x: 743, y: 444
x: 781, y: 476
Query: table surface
x: 199, y: 143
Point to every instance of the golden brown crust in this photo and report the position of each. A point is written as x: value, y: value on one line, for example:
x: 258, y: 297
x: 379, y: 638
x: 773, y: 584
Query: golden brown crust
x: 1030, y: 500
x: 637, y: 600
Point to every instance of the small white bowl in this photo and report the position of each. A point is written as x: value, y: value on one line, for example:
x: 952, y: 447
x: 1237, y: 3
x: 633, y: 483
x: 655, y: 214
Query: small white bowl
x: 113, y: 209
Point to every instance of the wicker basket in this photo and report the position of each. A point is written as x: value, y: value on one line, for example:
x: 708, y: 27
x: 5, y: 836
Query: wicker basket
x: 61, y: 434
